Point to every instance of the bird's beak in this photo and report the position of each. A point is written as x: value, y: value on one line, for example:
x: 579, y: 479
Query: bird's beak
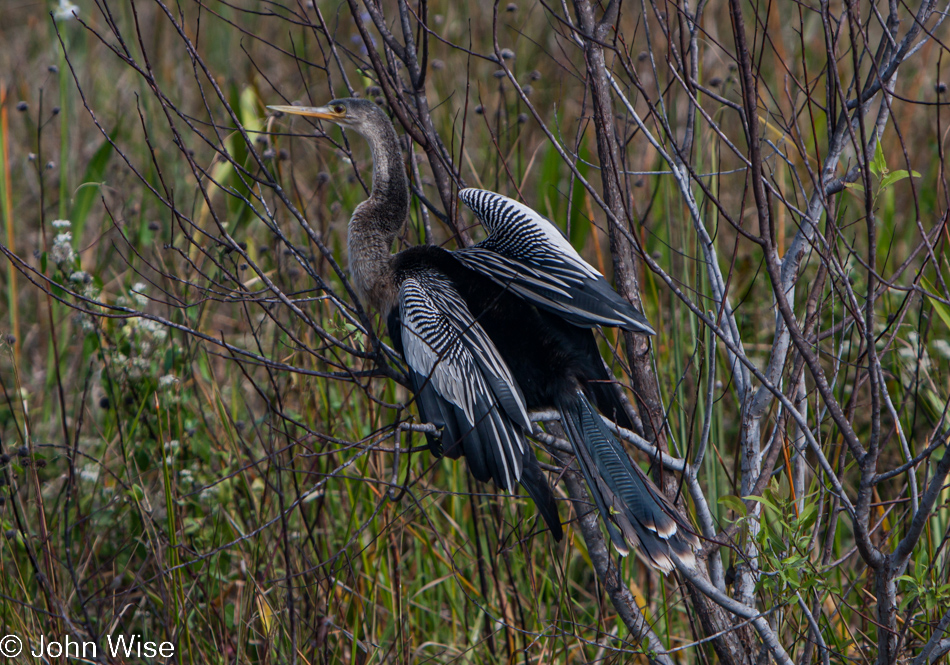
x: 321, y: 112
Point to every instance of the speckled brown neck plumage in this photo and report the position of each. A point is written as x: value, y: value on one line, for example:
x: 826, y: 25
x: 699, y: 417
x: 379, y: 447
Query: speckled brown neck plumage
x: 377, y: 220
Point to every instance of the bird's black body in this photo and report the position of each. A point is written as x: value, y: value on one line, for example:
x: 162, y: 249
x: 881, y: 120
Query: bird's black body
x: 491, y: 331
x: 549, y: 357
x: 555, y: 364
x: 551, y: 363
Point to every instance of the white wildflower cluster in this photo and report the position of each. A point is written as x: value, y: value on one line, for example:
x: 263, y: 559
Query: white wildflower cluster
x: 64, y: 257
x: 139, y: 367
x: 155, y: 329
x: 171, y: 451
x: 186, y: 477
x: 147, y: 335
x: 138, y: 294
x: 65, y: 11
x: 167, y: 381
x: 85, y: 284
x: 145, y: 342
x: 942, y: 347
x: 152, y: 335
x: 89, y: 473
x: 138, y: 348
x: 62, y: 252
x: 85, y: 322
x: 135, y: 367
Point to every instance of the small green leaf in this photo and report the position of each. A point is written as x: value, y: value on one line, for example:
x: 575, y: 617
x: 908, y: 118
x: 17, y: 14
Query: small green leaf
x: 57, y: 290
x: 878, y: 164
x: 168, y: 362
x: 765, y: 502
x: 896, y: 176
x: 808, y: 516
x: 734, y: 503
x: 90, y: 345
x: 794, y: 561
x: 942, y: 310
x: 551, y: 177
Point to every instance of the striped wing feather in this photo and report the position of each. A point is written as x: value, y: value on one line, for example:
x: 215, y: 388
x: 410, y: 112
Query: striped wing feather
x: 525, y: 252
x: 461, y: 381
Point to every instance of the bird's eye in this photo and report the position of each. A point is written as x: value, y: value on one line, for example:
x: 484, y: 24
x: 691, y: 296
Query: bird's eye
x: 339, y: 109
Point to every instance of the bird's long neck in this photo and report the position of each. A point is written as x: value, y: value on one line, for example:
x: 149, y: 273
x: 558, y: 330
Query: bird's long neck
x: 377, y: 220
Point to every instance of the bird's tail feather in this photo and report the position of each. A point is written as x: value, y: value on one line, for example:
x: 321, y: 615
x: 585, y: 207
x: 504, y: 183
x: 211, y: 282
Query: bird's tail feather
x: 453, y: 441
x: 534, y: 482
x: 604, y: 389
x: 607, y: 397
x: 634, y: 510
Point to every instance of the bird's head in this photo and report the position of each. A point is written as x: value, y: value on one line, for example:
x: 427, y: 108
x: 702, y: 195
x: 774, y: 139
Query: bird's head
x: 361, y: 115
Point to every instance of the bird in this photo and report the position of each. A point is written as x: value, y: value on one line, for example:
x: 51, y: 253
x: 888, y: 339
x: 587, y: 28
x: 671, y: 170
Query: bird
x: 492, y: 331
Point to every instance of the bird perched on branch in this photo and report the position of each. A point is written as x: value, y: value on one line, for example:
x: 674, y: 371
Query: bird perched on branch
x: 494, y: 330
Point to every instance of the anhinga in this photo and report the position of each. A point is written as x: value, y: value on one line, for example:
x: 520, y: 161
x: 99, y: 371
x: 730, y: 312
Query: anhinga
x: 493, y: 330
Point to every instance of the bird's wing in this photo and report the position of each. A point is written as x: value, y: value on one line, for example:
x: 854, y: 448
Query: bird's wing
x: 461, y: 380
x: 525, y: 252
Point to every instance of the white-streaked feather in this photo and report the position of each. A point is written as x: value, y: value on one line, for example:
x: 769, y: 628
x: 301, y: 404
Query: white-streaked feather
x: 526, y: 253
x: 544, y: 236
x: 442, y: 341
x: 541, y: 288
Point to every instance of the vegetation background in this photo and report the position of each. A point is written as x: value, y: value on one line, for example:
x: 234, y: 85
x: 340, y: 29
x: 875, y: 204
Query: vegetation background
x: 198, y: 424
